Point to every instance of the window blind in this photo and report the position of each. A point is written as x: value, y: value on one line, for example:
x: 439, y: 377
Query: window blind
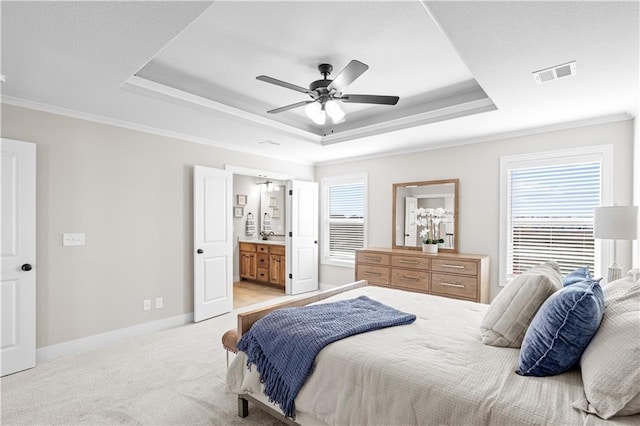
x: 346, y: 204
x: 550, y: 215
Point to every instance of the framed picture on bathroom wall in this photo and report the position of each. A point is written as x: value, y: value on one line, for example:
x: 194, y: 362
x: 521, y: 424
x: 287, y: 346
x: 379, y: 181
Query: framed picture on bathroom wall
x: 242, y: 200
x: 238, y: 211
x: 275, y: 213
x: 273, y: 201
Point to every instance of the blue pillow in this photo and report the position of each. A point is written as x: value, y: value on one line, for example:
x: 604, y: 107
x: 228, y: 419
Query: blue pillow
x: 576, y: 276
x: 561, y: 329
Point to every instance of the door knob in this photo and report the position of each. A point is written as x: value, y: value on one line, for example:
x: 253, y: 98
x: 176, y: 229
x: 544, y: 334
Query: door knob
x: 26, y: 267
x: 200, y: 251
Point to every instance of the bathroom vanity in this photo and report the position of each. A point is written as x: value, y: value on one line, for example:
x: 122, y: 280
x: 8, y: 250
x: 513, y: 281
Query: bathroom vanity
x: 263, y: 262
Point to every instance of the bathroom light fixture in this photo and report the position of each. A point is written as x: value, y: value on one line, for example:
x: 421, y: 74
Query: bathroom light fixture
x: 265, y: 186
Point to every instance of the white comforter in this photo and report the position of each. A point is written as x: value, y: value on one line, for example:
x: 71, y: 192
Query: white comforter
x: 435, y: 371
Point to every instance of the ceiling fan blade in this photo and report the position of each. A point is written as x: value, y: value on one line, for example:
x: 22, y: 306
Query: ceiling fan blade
x: 288, y: 107
x: 353, y: 70
x: 369, y: 99
x: 283, y: 84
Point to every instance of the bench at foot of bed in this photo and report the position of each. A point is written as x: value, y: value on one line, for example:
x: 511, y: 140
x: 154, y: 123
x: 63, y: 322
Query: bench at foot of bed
x: 243, y: 409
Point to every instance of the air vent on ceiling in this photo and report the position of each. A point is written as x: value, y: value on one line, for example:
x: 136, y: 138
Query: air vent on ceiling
x: 554, y: 73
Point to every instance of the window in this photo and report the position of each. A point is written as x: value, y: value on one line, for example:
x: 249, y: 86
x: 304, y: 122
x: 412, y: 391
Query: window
x: 344, y: 206
x: 546, y: 213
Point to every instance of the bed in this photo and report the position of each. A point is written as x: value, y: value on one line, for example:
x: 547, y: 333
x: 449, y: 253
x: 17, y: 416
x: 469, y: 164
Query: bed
x: 433, y: 371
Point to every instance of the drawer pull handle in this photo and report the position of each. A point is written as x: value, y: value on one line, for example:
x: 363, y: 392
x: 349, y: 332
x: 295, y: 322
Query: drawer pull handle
x: 412, y: 262
x: 408, y: 277
x: 373, y: 258
x: 372, y: 273
x: 446, y: 265
x: 452, y: 285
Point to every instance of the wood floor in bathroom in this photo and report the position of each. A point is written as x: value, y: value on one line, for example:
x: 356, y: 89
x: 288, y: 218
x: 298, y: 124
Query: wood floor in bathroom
x: 246, y: 293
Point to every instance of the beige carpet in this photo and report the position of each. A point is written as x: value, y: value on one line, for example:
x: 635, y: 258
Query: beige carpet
x: 173, y: 377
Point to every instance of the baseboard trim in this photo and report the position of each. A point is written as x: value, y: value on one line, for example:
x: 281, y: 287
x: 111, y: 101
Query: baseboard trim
x: 323, y: 286
x: 49, y: 353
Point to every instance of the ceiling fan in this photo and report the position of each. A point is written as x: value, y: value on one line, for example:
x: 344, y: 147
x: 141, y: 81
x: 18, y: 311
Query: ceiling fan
x: 325, y: 92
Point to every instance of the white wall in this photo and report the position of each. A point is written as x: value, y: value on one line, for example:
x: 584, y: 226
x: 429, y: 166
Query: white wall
x: 131, y: 193
x: 478, y: 167
x: 636, y: 186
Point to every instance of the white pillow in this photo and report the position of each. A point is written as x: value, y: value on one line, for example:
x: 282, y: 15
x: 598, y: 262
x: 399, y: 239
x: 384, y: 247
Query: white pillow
x: 611, y: 363
x: 511, y: 312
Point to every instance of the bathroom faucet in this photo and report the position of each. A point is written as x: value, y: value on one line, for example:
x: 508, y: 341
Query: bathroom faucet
x: 266, y: 234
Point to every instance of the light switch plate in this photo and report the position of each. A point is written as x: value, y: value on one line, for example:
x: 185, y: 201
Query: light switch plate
x: 76, y: 239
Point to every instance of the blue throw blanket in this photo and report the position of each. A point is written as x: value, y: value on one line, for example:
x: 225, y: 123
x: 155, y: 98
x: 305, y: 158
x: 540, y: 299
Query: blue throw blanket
x: 283, y: 344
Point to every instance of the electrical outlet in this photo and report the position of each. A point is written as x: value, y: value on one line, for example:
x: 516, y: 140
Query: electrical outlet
x: 146, y: 304
x: 159, y: 302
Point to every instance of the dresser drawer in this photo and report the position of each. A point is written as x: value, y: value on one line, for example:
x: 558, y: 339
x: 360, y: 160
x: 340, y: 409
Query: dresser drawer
x: 374, y: 274
x: 454, y: 285
x: 263, y: 260
x: 262, y: 248
x: 408, y: 279
x: 247, y: 247
x: 454, y: 266
x: 276, y: 250
x: 415, y: 262
x: 263, y: 274
x: 372, y: 258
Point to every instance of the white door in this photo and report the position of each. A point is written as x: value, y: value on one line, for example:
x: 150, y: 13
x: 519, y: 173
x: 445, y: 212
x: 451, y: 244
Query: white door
x: 18, y: 296
x: 213, y: 243
x: 302, y: 247
x: 410, y: 229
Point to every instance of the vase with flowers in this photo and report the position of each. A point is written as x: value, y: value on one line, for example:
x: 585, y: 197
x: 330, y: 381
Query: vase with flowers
x: 429, y: 220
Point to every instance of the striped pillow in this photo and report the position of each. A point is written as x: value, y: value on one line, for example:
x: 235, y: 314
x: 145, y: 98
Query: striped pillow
x: 610, y: 364
x: 512, y: 310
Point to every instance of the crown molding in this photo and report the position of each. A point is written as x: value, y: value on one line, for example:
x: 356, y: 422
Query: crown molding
x: 143, y: 86
x: 427, y: 147
x: 488, y: 138
x: 66, y: 112
x: 459, y: 105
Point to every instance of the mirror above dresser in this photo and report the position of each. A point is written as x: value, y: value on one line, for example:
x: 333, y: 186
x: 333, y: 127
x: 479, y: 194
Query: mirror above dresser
x: 411, y: 198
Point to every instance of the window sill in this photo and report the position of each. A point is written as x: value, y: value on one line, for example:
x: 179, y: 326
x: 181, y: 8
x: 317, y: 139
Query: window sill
x: 341, y: 263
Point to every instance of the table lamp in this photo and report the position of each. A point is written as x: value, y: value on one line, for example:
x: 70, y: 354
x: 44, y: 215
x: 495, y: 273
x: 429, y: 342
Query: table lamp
x: 615, y: 223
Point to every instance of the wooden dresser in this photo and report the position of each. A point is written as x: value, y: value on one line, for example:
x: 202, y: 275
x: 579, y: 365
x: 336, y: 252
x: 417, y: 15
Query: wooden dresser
x: 263, y: 263
x: 461, y: 276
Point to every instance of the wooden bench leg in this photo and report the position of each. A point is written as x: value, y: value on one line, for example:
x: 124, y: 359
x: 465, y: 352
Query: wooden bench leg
x: 243, y: 407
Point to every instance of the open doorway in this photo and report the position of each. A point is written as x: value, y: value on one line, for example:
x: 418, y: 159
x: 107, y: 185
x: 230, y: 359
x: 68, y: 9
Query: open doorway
x: 259, y: 226
x: 275, y: 233
x: 246, y: 293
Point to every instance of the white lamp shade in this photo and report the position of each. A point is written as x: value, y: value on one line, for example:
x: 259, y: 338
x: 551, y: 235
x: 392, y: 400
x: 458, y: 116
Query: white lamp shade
x: 615, y: 222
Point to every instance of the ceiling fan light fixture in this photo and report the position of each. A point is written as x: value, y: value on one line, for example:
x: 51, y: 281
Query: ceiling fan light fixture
x: 316, y: 113
x: 334, y: 111
x: 325, y: 92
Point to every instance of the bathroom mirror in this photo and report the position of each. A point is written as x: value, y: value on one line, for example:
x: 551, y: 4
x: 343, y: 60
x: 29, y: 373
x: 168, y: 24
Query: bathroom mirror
x: 272, y: 210
x: 439, y: 195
